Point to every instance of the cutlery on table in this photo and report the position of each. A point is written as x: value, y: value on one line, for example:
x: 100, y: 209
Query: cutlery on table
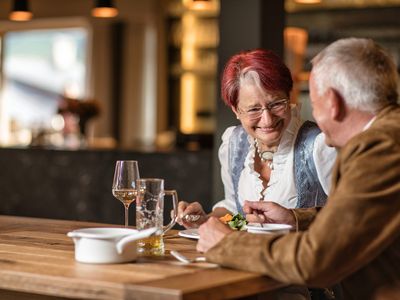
x: 190, y: 218
x: 186, y: 260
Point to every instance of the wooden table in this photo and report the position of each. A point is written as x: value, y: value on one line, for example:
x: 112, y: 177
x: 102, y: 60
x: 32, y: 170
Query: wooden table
x: 37, y: 262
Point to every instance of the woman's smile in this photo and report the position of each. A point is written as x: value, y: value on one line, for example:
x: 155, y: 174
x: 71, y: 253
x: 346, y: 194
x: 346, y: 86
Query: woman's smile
x: 278, y: 126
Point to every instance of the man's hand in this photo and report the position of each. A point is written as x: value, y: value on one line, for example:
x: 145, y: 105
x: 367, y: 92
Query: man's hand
x: 190, y: 215
x: 211, y: 233
x: 268, y: 212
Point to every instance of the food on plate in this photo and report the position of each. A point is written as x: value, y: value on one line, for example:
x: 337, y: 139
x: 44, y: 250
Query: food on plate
x: 225, y: 219
x: 236, y: 222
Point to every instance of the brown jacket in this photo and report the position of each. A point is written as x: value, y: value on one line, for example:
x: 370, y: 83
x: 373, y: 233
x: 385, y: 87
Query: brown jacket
x: 354, y: 239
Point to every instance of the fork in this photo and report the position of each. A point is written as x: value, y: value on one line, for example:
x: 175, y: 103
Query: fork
x: 182, y: 258
x: 189, y: 218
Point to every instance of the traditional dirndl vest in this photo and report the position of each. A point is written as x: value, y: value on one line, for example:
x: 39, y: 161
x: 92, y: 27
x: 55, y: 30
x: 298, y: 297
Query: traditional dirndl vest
x: 309, y: 190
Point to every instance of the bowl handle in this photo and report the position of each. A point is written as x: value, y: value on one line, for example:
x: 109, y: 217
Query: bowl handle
x: 74, y: 235
x: 133, y: 237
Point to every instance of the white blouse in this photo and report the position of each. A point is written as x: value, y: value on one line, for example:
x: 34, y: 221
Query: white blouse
x: 281, y: 186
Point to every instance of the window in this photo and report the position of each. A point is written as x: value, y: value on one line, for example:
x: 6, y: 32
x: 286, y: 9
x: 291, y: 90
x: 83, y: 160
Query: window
x: 39, y: 66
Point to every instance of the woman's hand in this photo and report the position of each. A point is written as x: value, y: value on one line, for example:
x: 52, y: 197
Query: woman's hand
x: 268, y: 212
x: 190, y: 215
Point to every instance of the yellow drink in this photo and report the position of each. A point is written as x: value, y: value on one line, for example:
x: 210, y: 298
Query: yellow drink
x: 153, y: 245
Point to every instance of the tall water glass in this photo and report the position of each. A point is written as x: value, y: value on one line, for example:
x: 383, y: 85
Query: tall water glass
x: 124, y: 184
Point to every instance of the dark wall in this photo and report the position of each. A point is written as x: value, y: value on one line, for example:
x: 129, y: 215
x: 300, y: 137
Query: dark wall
x: 76, y: 185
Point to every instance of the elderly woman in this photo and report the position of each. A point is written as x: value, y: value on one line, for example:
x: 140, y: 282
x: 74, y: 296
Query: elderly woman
x: 273, y: 155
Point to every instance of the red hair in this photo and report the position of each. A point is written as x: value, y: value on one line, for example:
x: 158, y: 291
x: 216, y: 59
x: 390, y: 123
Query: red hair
x: 274, y: 74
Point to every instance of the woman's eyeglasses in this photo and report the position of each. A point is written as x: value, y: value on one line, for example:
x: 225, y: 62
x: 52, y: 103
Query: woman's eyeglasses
x: 274, y: 107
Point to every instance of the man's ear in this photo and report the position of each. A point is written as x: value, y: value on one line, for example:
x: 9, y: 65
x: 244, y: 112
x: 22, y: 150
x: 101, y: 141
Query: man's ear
x: 337, y: 105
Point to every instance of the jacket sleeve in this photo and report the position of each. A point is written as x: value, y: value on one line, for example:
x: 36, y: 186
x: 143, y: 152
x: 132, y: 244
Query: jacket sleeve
x: 360, y: 220
x: 304, y: 217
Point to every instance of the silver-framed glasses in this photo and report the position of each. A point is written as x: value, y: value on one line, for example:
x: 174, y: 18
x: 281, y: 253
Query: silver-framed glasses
x: 274, y: 107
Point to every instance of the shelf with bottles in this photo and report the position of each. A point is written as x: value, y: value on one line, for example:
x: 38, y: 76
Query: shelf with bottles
x: 199, y: 62
x: 191, y: 31
x: 192, y: 41
x: 193, y: 46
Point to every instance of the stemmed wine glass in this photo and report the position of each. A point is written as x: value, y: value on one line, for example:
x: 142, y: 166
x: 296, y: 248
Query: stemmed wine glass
x: 124, y: 183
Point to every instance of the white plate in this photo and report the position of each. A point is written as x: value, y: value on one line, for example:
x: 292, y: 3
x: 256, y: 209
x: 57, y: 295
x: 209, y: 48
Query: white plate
x: 268, y: 228
x: 192, y: 233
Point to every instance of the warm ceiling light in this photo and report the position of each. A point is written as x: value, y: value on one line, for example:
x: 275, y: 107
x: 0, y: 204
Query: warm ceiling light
x: 104, y: 9
x: 201, y: 4
x: 308, y: 1
x: 20, y: 11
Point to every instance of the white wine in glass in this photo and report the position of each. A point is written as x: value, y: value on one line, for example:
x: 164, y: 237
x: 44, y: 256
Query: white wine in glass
x: 124, y: 183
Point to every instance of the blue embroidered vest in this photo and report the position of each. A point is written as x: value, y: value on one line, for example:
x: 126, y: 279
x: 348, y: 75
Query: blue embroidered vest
x: 309, y: 190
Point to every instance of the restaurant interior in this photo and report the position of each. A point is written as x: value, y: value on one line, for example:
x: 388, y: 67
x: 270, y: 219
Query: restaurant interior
x: 82, y: 88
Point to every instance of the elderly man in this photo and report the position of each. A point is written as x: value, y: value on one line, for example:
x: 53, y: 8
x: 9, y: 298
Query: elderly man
x: 355, y: 238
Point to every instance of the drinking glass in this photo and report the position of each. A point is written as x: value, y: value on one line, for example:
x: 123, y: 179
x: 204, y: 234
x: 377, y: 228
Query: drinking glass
x: 149, y: 214
x: 124, y: 184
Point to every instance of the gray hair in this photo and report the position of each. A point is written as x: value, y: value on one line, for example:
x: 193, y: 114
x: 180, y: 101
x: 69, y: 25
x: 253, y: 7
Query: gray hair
x: 361, y: 71
x: 249, y: 77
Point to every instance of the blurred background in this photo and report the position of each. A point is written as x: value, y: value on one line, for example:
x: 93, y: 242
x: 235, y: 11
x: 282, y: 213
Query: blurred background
x: 83, y: 85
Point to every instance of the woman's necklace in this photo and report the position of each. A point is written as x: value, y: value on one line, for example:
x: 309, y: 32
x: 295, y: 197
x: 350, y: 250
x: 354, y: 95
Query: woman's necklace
x: 266, y: 155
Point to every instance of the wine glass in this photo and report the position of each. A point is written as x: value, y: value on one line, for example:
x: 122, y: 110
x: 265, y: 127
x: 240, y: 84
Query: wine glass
x: 124, y: 183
